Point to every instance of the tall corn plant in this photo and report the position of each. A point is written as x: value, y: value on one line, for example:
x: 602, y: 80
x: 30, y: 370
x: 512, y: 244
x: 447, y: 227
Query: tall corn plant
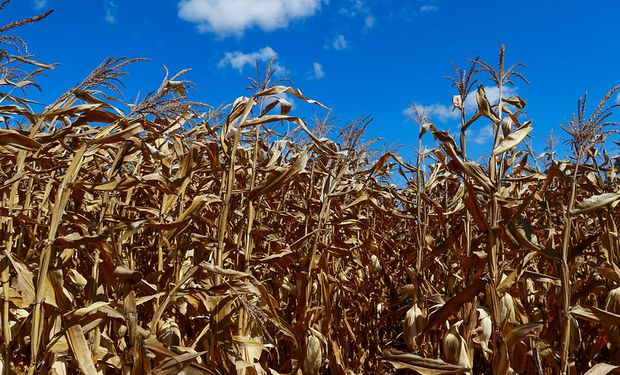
x: 500, y: 76
x: 586, y: 134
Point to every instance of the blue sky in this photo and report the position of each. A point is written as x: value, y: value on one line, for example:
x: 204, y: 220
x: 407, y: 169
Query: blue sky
x: 359, y: 57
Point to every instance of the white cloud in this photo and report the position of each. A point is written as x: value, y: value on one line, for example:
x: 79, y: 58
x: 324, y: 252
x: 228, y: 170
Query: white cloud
x: 238, y: 60
x: 359, y: 8
x: 226, y: 17
x: 355, y: 8
x: 443, y: 113
x: 440, y: 112
x: 38, y: 4
x: 318, y: 71
x: 618, y: 99
x: 339, y: 43
x: 429, y: 8
x: 369, y: 22
x: 483, y: 135
x: 110, y: 11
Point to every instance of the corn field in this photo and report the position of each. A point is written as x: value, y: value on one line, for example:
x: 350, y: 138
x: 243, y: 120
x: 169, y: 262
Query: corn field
x: 166, y: 236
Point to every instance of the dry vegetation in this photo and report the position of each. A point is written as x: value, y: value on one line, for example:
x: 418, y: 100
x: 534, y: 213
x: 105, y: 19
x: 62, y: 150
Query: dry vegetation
x: 174, y: 238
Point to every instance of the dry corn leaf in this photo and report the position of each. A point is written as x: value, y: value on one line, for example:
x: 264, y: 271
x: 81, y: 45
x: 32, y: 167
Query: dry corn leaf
x: 179, y: 364
x: 594, y: 314
x: 484, y: 106
x: 15, y: 139
x: 277, y: 179
x: 512, y: 140
x: 79, y: 347
x: 516, y: 101
x: 602, y: 369
x: 595, y: 202
x: 453, y: 305
x: 424, y: 366
x: 519, y: 333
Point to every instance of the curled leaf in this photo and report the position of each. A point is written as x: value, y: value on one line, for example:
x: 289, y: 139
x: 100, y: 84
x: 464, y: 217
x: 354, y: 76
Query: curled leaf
x: 512, y: 140
x: 595, y: 202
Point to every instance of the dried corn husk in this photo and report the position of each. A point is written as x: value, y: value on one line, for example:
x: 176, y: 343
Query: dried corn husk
x: 529, y: 291
x: 575, y: 335
x: 484, y: 330
x: 612, y: 304
x: 379, y: 309
x: 314, y: 355
x: 169, y: 333
x: 507, y: 309
x: 413, y: 325
x: 455, y: 348
x: 375, y: 264
x: 250, y: 350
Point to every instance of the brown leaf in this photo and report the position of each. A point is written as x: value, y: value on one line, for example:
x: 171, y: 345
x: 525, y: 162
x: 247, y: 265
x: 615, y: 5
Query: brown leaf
x: 519, y: 333
x: 602, y: 369
x: 454, y: 304
x: 424, y: 366
x: 594, y: 314
x: 512, y: 140
x: 15, y: 139
x: 595, y: 202
x: 484, y: 107
x: 79, y: 347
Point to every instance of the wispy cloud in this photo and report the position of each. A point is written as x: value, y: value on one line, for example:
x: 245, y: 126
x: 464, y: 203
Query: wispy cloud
x: 427, y: 8
x: 226, y: 17
x: 618, y: 98
x: 317, y: 71
x: 369, y: 22
x: 443, y: 113
x: 111, y: 9
x: 238, y: 60
x: 355, y: 8
x: 339, y: 43
x: 38, y: 4
x: 440, y: 112
x: 359, y: 8
x: 482, y: 135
